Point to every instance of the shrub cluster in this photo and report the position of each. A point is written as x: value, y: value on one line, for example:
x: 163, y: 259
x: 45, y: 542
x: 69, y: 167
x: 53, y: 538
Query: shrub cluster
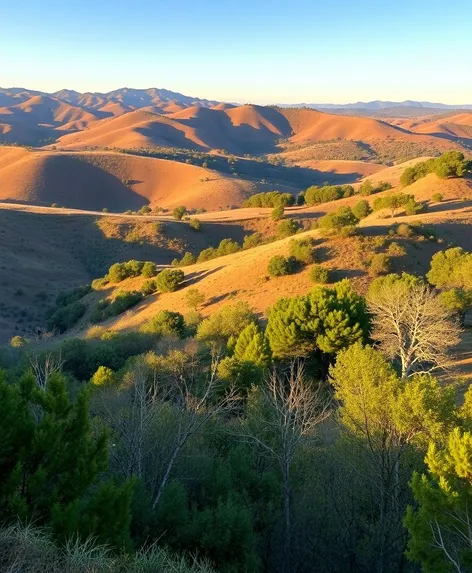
x: 108, y: 309
x: 279, y: 266
x: 165, y: 323
x: 341, y: 218
x: 120, y: 271
x: 302, y: 250
x: 69, y: 297
x: 397, y: 201
x: 270, y: 199
x: 169, y: 280
x: 316, y: 195
x: 449, y: 164
x: 369, y: 188
x: 65, y: 317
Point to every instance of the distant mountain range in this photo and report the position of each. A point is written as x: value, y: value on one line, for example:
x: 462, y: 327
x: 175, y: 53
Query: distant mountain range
x: 380, y: 105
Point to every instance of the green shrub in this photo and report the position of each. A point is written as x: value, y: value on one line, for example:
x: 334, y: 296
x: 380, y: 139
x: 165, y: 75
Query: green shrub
x: 279, y: 266
x: 394, y: 202
x: 277, y: 213
x: 317, y: 195
x: 361, y: 209
x: 18, y: 341
x: 227, y: 247
x: 413, y: 208
x: 342, y: 217
x: 368, y: 188
x: 149, y: 287
x: 121, y: 271
x: 149, y: 270
x: 169, y: 280
x: 302, y: 250
x: 98, y: 284
x: 65, y: 317
x: 396, y: 250
x: 437, y: 197
x: 195, y: 224
x: 179, y: 212
x: 194, y: 298
x: 252, y: 240
x: 379, y: 264
x: 270, y: 199
x: 404, y: 230
x: 103, y: 376
x: 226, y: 323
x: 69, y: 297
x: 319, y: 274
x: 108, y: 309
x: 286, y: 228
x: 165, y: 323
x: 207, y: 254
x: 145, y: 210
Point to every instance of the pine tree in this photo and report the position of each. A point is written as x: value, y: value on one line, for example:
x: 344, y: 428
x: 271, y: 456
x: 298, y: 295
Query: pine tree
x: 252, y: 346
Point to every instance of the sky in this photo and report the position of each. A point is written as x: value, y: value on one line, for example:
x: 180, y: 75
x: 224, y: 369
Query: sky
x: 258, y: 51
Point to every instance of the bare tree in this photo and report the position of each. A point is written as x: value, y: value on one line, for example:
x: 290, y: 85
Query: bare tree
x: 412, y: 326
x: 157, y: 412
x: 292, y: 410
x: 44, y: 365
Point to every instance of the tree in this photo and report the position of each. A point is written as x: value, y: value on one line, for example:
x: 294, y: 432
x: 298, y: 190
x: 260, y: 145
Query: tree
x: 385, y: 416
x: 228, y: 322
x: 325, y: 320
x: 169, y: 280
x: 103, y: 376
x: 253, y: 346
x: 279, y: 266
x: 342, y: 217
x: 149, y: 270
x: 165, y: 323
x: 277, y: 213
x: 440, y: 526
x: 411, y: 325
x: 194, y: 298
x: 282, y: 413
x: 361, y: 209
x: 451, y: 268
x: 450, y: 164
x: 51, y: 462
x: 286, y: 228
x: 379, y: 264
x: 179, y: 212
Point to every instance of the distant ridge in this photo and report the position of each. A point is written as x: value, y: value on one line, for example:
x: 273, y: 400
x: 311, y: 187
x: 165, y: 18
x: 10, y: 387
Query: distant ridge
x: 379, y: 105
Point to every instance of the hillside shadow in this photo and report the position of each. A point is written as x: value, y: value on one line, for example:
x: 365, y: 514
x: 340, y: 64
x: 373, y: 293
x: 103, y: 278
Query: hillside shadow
x: 197, y: 275
x: 447, y: 205
x: 220, y: 297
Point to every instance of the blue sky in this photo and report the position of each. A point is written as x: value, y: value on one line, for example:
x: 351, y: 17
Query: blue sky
x: 256, y: 51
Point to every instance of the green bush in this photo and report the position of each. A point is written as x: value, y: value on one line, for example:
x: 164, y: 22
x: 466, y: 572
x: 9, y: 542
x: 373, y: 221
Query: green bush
x: 65, y: 317
x: 342, y: 217
x: 98, y: 284
x: 226, y: 323
x: 279, y: 266
x: 317, y: 195
x: 302, y: 250
x: 361, y: 209
x: 195, y: 224
x: 394, y: 202
x: 227, y: 247
x: 449, y: 164
x: 437, y: 197
x: 65, y: 298
x: 252, y: 240
x: 149, y: 287
x: 149, y: 270
x: 319, y: 274
x: 396, y: 250
x: 108, y: 309
x: 165, y: 323
x: 286, y: 228
x: 277, y: 213
x: 368, y: 188
x: 270, y: 199
x: 121, y: 271
x: 179, y: 212
x: 169, y: 280
x: 207, y: 254
x: 379, y: 264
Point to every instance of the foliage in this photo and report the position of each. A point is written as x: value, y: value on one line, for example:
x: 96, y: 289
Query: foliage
x: 109, y: 308
x: 270, y: 199
x: 165, y: 323
x: 179, y: 212
x: 326, y: 320
x: 379, y: 264
x: 279, y: 266
x: 194, y: 298
x: 394, y: 202
x: 436, y: 197
x: 438, y: 527
x: 70, y: 297
x: 227, y: 322
x: 253, y: 346
x: 317, y: 195
x: 277, y: 213
x: 286, y: 228
x: 368, y: 188
x: 361, y: 209
x: 66, y: 317
x: 149, y: 270
x: 169, y: 280
x: 302, y: 250
x: 104, y: 376
x: 451, y: 268
x: 51, y: 463
x: 449, y: 164
x: 195, y: 224
x: 342, y: 217
x: 319, y: 274
x: 253, y: 240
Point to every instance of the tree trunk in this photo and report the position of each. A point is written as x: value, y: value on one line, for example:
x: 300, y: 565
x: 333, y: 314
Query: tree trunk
x: 165, y: 479
x: 287, y: 540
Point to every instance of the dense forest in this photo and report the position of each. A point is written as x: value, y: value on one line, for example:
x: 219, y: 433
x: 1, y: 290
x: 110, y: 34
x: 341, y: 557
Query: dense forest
x: 327, y: 438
